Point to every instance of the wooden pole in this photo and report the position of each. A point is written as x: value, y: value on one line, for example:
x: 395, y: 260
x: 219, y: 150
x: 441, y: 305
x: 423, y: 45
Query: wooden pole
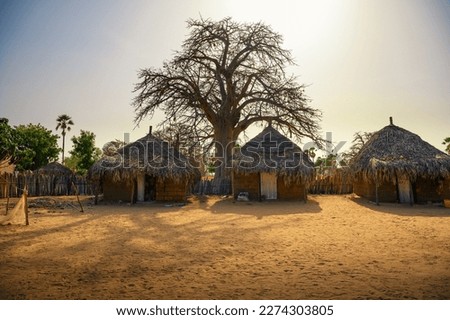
x: 7, y: 199
x: 376, y: 192
x: 25, y: 204
x: 78, y: 198
x: 132, y: 189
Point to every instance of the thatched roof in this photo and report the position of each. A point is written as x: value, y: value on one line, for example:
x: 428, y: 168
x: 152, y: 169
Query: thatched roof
x: 394, y: 151
x: 270, y: 151
x: 56, y: 169
x: 148, y: 155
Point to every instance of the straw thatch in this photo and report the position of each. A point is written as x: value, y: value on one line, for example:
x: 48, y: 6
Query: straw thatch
x: 148, y: 155
x: 272, y: 152
x: 394, y: 152
x: 54, y: 169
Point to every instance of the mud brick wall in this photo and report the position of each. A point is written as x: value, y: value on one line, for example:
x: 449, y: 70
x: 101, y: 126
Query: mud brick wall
x: 115, y: 191
x: 446, y: 190
x: 291, y: 191
x: 387, y: 191
x: 170, y: 190
x: 248, y: 183
x: 428, y: 190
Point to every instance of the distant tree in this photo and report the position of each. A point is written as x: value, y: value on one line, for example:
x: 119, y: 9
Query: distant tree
x: 8, y: 143
x: 227, y: 77
x: 84, y: 152
x: 312, y: 153
x: 329, y: 161
x: 71, y: 162
x: 182, y: 138
x: 64, y: 122
x: 359, y: 140
x: 110, y: 148
x: 36, y: 147
x: 447, y: 142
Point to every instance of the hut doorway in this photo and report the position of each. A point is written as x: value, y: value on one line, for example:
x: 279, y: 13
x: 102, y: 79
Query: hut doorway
x: 269, y: 185
x: 405, y: 193
x: 146, y: 188
x: 150, y: 188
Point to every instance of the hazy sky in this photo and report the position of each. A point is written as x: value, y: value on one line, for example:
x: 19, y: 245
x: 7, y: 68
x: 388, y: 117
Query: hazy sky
x: 364, y: 60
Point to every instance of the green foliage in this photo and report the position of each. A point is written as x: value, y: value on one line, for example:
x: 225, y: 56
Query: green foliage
x: 72, y: 163
x: 64, y: 122
x: 329, y: 161
x: 35, y: 146
x: 447, y: 142
x: 7, y: 139
x: 84, y: 152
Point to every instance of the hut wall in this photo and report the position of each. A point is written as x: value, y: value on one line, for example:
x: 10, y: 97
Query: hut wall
x: 446, y: 192
x: 170, y: 190
x: 246, y: 183
x: 115, y: 191
x: 387, y: 191
x: 290, y: 191
x: 428, y: 190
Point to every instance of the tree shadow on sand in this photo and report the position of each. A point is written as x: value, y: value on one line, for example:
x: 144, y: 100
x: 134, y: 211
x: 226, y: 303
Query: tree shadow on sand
x: 405, y: 210
x: 264, y: 208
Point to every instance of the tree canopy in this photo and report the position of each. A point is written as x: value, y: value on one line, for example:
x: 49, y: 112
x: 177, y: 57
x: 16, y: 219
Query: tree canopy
x: 227, y: 77
x: 35, y: 146
x: 84, y: 153
x: 7, y: 139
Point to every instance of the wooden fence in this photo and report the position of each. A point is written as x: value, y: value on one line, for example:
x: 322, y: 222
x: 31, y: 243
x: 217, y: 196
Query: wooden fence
x: 13, y: 184
x: 206, y: 186
x: 331, y: 180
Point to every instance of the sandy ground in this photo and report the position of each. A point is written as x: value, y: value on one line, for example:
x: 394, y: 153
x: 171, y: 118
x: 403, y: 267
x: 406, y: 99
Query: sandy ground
x: 333, y: 247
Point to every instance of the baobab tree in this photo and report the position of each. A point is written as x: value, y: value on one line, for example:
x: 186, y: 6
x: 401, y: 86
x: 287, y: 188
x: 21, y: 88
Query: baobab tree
x: 64, y: 123
x: 226, y: 77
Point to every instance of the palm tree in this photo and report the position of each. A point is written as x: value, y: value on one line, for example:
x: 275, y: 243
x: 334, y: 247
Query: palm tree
x: 64, y: 123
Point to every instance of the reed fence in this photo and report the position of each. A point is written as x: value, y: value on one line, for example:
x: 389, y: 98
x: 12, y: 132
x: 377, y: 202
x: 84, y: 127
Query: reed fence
x: 13, y: 184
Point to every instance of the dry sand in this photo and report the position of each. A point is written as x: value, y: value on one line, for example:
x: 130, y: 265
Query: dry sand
x: 333, y: 247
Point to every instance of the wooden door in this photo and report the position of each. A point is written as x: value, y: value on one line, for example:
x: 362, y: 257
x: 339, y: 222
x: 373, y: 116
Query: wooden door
x: 269, y: 185
x: 405, y: 194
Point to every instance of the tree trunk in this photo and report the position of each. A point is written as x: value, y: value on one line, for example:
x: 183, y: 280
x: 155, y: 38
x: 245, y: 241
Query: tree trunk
x: 64, y: 139
x: 224, y: 144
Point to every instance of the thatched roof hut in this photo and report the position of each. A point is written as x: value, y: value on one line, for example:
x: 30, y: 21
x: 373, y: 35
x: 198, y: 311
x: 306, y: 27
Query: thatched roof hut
x: 149, y: 166
x: 271, y: 166
x: 398, y: 162
x: 52, y: 179
x: 55, y: 169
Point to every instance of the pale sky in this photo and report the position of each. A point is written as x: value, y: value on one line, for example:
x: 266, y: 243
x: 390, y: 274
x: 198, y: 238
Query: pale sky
x: 363, y: 60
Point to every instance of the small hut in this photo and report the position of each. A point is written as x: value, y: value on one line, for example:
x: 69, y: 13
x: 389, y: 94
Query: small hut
x: 396, y: 165
x: 145, y: 170
x: 270, y: 166
x: 52, y: 179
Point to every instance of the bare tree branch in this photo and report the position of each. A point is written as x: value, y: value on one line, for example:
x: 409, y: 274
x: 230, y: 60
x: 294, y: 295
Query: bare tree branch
x: 227, y: 77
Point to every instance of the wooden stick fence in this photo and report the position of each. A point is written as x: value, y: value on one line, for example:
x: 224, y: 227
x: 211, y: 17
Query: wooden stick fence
x: 13, y: 184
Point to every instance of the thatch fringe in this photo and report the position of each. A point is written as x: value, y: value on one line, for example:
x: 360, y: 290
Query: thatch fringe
x: 149, y: 155
x: 272, y: 152
x: 332, y: 180
x: 393, y: 152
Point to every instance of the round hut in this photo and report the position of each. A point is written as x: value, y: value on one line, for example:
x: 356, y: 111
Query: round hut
x: 396, y: 165
x: 271, y: 166
x: 53, y: 179
x: 145, y: 170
